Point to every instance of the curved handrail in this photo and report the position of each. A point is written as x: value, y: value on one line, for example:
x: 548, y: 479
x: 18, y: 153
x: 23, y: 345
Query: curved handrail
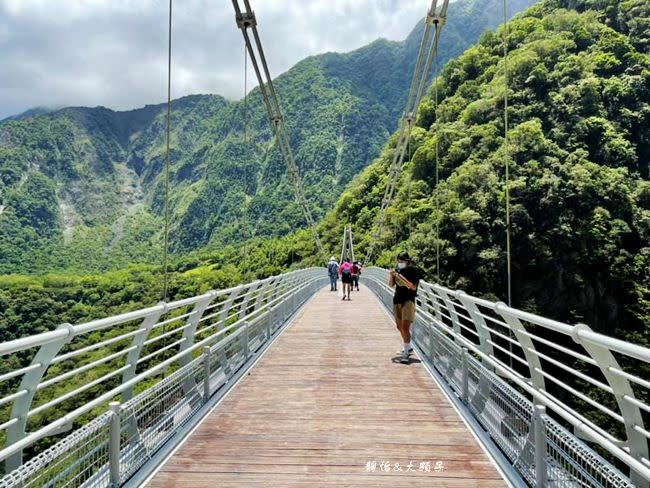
x: 129, y: 352
x: 572, y: 370
x: 505, y: 364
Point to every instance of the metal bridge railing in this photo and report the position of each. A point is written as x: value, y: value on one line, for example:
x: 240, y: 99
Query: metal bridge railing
x: 528, y: 380
x: 162, y: 362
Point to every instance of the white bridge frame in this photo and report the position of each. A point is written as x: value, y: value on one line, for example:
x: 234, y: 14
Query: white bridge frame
x: 205, y: 340
x: 168, y: 362
x: 506, y: 388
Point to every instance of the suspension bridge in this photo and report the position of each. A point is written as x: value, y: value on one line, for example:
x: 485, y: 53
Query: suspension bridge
x: 279, y: 383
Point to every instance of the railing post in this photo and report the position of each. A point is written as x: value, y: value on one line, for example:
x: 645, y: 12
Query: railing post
x: 190, y: 389
x: 440, y: 295
x: 138, y: 344
x: 191, y: 325
x: 479, y: 324
x: 207, y: 354
x: 278, y: 286
x: 621, y: 389
x: 465, y: 377
x: 262, y: 291
x: 226, y: 307
x: 268, y: 324
x: 540, y: 446
x: 526, y: 344
x: 29, y: 383
x: 115, y: 434
x: 247, y: 297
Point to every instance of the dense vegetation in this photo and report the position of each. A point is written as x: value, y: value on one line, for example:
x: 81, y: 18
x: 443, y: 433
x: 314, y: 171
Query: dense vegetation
x: 578, y: 152
x: 579, y: 96
x: 82, y: 188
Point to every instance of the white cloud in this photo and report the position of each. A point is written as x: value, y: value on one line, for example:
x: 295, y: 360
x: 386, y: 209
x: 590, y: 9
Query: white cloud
x: 113, y: 52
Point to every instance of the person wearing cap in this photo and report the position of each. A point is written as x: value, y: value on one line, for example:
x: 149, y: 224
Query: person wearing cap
x: 405, y: 277
x: 333, y: 272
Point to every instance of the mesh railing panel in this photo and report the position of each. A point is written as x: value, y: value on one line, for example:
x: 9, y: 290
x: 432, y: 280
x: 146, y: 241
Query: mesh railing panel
x: 505, y: 413
x: 570, y: 463
x: 231, y: 331
x: 81, y: 459
x: 150, y: 419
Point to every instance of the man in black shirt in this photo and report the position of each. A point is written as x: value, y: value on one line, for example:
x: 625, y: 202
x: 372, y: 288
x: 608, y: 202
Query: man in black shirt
x: 405, y: 278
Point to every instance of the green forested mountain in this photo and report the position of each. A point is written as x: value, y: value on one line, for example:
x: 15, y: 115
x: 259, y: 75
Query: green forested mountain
x: 579, y: 110
x: 82, y: 188
x: 579, y: 95
x: 579, y: 147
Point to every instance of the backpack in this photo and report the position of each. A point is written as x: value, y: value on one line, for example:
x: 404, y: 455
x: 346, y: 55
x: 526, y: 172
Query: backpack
x: 332, y: 268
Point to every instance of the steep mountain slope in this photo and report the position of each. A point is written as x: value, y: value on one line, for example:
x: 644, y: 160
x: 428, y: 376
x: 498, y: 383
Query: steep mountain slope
x: 82, y: 188
x: 579, y: 110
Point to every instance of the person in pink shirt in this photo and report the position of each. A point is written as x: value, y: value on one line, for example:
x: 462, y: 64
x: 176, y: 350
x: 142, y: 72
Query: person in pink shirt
x: 346, y: 276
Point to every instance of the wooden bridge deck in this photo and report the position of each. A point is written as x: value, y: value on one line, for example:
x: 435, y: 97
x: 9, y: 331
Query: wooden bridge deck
x: 325, y: 402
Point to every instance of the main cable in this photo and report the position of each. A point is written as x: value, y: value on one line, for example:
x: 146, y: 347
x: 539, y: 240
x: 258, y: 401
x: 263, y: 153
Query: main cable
x: 246, y: 20
x: 418, y: 84
x: 168, y: 157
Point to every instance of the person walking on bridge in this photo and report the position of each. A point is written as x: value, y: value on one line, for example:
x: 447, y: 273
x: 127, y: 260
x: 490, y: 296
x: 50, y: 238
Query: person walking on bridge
x: 356, y: 271
x: 405, y: 278
x: 333, y: 272
x: 346, y: 276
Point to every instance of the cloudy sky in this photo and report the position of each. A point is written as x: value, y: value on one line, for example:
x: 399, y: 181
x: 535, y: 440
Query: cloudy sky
x: 114, y: 52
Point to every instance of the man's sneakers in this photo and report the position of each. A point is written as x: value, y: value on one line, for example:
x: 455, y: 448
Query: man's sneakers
x: 404, y: 355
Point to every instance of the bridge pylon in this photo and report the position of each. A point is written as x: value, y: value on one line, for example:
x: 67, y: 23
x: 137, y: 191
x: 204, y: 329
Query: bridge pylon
x: 347, y: 247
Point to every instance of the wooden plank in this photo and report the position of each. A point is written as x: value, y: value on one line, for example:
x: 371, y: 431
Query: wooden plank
x: 228, y: 480
x: 328, y: 400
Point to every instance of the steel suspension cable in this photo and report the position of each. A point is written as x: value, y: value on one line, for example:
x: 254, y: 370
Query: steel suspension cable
x: 507, y: 162
x: 168, y: 152
x: 345, y: 233
x: 418, y: 84
x: 246, y: 154
x: 437, y: 196
x: 410, y: 195
x: 506, y: 148
x: 245, y: 100
x: 246, y: 20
